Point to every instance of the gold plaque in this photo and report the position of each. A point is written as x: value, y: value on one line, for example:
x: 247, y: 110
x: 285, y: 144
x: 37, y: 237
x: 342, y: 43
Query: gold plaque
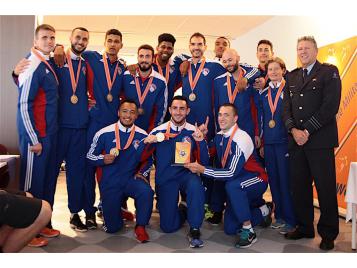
x: 182, y: 153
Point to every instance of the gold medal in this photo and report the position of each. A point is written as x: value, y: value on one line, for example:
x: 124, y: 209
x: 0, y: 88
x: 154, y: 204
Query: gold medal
x: 160, y: 137
x: 74, y: 99
x: 109, y: 97
x: 192, y: 97
x: 114, y: 151
x: 141, y: 111
x: 271, y: 123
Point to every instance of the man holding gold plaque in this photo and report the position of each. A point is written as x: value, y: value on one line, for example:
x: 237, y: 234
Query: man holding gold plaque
x: 178, y: 142
x: 126, y: 163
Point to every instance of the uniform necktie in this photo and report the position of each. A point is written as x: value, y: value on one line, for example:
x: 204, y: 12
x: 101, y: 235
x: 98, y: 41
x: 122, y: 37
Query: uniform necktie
x: 304, y: 75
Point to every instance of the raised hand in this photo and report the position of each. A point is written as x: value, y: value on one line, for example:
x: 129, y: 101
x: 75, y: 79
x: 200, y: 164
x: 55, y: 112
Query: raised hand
x: 132, y: 68
x: 259, y: 83
x: 59, y: 56
x: 184, y: 68
x: 204, y: 127
x: 242, y: 84
x: 197, y: 135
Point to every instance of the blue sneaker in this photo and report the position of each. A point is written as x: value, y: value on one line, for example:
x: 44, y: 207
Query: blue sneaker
x: 245, y: 238
x: 286, y: 229
x: 279, y: 223
x: 194, y: 238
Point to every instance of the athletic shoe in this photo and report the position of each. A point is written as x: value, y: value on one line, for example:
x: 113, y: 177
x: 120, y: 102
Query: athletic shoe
x: 49, y: 233
x: 279, y: 223
x: 127, y: 215
x: 38, y: 242
x: 208, y: 212
x: 266, y: 222
x: 141, y: 234
x: 194, y: 238
x: 91, y: 222
x: 245, y: 238
x: 77, y: 225
x: 215, y: 219
x: 286, y: 229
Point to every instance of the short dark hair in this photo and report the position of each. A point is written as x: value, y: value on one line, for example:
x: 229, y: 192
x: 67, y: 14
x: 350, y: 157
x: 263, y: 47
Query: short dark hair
x: 128, y: 101
x: 114, y: 32
x: 46, y: 27
x: 225, y: 38
x: 227, y: 104
x: 278, y: 61
x: 181, y: 98
x: 266, y: 42
x: 147, y: 47
x: 81, y: 29
x: 166, y: 37
x: 197, y: 34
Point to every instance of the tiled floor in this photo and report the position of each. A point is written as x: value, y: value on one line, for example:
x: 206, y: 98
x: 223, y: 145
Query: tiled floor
x: 269, y: 240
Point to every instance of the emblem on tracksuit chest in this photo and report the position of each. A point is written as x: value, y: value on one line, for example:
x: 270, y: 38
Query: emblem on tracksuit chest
x: 186, y: 139
x: 152, y: 88
x: 205, y: 71
x: 136, y: 144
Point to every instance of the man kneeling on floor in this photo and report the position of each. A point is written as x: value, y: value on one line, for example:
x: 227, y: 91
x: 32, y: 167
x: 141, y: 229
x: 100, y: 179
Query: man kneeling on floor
x: 125, y: 162
x: 178, y: 142
x: 246, y: 180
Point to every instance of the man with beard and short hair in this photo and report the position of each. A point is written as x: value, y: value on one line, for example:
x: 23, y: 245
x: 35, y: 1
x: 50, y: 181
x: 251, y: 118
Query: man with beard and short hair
x: 73, y: 122
x: 148, y: 89
x: 104, y: 82
x: 220, y: 45
x: 172, y: 178
x: 228, y: 89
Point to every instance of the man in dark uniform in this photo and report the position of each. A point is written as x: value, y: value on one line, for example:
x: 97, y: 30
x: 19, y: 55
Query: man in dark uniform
x: 311, y: 101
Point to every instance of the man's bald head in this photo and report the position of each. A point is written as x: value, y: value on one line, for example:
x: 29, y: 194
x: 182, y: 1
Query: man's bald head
x: 230, y: 59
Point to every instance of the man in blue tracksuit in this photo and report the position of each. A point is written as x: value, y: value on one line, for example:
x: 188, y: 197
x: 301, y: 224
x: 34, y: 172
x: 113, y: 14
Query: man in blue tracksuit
x: 246, y: 180
x: 172, y: 178
x: 149, y: 90
x: 120, y: 151
x: 236, y: 87
x: 104, y: 83
x: 37, y: 121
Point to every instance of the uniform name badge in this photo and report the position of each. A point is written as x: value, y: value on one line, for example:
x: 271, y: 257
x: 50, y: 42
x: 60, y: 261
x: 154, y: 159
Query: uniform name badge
x: 182, y: 153
x: 271, y: 123
x: 114, y: 151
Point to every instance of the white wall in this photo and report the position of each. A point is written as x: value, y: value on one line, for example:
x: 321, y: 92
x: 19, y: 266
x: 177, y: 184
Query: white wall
x: 283, y: 32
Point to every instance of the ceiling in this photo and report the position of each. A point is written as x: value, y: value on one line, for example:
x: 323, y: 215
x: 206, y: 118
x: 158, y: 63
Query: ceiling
x: 138, y: 30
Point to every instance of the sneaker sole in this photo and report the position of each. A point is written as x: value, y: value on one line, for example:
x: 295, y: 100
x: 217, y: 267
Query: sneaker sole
x: 199, y: 246
x: 276, y: 227
x: 78, y: 230
x: 247, y: 246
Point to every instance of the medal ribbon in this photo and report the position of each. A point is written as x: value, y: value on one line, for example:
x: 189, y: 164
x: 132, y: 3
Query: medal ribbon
x: 167, y: 72
x: 228, y: 147
x: 117, y: 137
x: 110, y: 82
x: 229, y: 86
x: 270, y: 99
x: 138, y: 90
x: 41, y: 58
x: 197, y: 76
x: 169, y: 135
x: 74, y: 82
